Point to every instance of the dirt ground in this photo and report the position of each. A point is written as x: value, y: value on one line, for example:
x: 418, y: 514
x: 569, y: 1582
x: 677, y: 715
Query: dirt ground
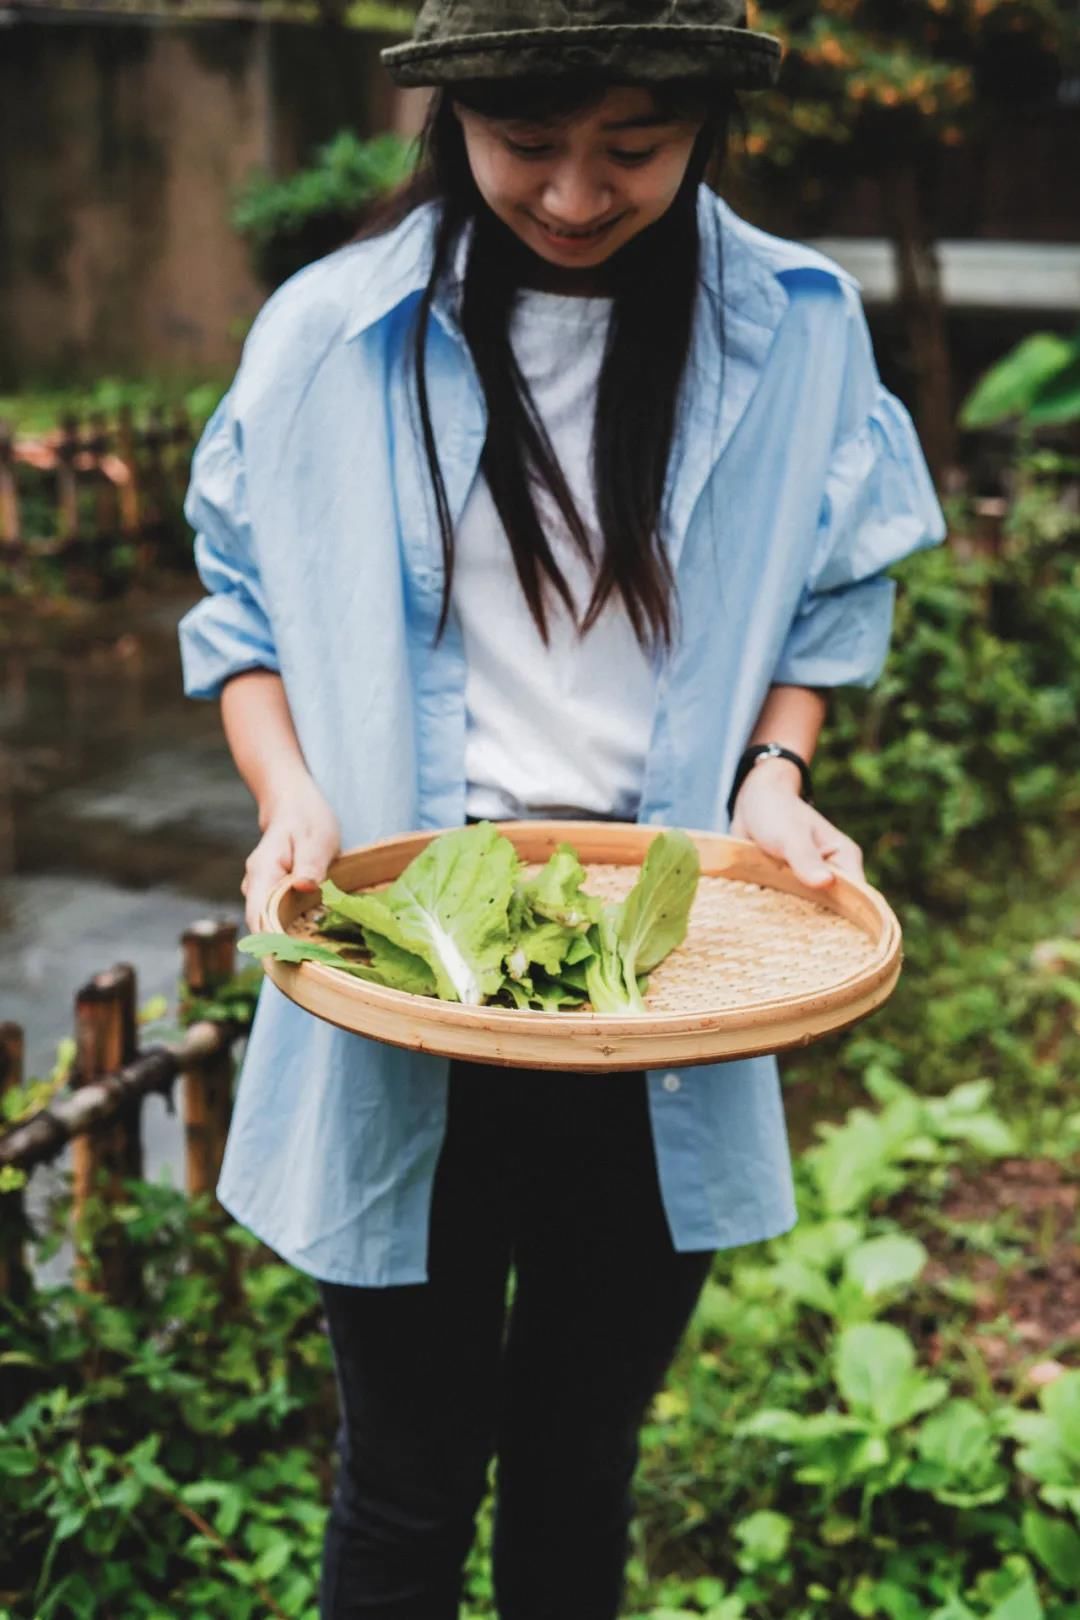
x: 1025, y: 1311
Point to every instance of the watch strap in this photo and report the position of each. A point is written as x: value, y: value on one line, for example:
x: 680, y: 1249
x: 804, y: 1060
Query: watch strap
x: 769, y: 750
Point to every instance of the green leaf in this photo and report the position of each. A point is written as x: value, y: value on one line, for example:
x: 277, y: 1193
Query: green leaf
x: 1061, y: 1403
x: 450, y: 907
x: 286, y: 948
x: 1022, y: 1603
x: 610, y: 991
x: 885, y: 1263
x: 273, y: 1559
x: 1056, y: 1544
x: 655, y: 914
x: 765, y: 1539
x: 1011, y: 387
x: 1057, y: 399
x: 876, y: 1374
x: 555, y: 894
x: 391, y: 966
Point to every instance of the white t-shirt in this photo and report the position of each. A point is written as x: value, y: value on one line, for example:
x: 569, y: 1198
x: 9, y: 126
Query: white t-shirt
x: 564, y: 726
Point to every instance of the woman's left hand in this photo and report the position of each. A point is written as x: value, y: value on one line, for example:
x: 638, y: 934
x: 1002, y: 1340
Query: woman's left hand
x: 770, y: 812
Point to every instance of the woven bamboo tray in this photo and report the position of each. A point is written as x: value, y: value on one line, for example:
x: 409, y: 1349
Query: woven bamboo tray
x: 767, y: 963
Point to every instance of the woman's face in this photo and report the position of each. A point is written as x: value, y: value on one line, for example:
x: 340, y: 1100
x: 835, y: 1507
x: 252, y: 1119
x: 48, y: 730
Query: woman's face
x: 577, y: 190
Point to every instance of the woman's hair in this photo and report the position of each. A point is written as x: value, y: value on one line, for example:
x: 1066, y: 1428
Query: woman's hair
x: 653, y: 282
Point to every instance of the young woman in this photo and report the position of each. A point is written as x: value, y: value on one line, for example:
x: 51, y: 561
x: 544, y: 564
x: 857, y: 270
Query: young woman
x: 565, y: 492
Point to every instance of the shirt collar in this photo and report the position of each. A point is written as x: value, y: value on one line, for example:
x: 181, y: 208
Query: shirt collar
x: 748, y: 264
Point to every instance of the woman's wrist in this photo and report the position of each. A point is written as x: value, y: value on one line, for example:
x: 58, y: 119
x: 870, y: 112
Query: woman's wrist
x: 779, y: 772
x: 787, y: 768
x: 282, y: 785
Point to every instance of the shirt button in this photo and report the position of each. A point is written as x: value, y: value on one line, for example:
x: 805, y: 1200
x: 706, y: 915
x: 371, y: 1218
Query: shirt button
x: 672, y: 1083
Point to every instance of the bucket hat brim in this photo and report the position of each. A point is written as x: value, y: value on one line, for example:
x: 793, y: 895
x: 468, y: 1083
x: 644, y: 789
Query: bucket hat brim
x: 638, y: 52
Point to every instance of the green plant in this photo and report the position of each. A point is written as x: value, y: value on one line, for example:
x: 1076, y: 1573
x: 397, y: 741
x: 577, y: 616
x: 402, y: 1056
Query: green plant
x: 1038, y: 381
x: 291, y: 221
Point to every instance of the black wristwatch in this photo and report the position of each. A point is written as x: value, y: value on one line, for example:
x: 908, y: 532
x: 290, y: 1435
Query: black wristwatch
x: 769, y: 750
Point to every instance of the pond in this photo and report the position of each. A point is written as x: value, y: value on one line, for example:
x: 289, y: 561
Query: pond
x: 122, y: 821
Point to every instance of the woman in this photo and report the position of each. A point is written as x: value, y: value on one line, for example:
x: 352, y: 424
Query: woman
x: 565, y: 492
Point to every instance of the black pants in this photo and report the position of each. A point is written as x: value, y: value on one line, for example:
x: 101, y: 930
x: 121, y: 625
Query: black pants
x: 555, y: 1175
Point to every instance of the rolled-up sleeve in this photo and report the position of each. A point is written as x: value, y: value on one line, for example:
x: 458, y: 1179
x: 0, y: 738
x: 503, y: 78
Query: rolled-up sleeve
x: 878, y: 506
x: 229, y: 631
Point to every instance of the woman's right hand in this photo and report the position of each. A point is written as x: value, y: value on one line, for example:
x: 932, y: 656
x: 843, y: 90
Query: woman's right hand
x: 300, y: 838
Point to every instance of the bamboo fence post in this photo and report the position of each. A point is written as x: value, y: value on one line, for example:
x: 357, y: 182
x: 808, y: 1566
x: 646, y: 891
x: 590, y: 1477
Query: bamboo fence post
x: 129, y: 492
x: 67, y: 485
x: 155, y: 487
x: 209, y: 961
x: 14, y: 1276
x: 106, y: 1039
x: 9, y: 495
x: 106, y: 503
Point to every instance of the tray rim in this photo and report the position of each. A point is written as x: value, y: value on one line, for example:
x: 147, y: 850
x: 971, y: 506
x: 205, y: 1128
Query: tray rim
x: 321, y: 990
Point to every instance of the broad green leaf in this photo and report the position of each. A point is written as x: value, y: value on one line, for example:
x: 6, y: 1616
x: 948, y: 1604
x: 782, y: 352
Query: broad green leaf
x: 1061, y: 1403
x: 450, y: 906
x: 655, y: 914
x: 1011, y: 387
x: 884, y: 1263
x: 875, y: 1373
x: 1056, y: 1544
x: 1022, y: 1603
x: 765, y: 1538
x: 1058, y: 398
x: 959, y: 1438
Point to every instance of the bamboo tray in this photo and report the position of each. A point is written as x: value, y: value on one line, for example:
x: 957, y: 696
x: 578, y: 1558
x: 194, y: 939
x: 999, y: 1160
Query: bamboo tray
x: 768, y: 963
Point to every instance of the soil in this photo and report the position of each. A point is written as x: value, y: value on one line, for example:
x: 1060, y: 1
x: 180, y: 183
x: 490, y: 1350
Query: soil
x: 1025, y: 1314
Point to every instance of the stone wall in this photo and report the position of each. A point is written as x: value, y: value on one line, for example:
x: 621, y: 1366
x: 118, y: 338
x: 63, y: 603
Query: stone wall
x: 121, y: 146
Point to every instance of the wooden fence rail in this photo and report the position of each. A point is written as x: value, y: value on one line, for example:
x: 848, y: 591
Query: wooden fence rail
x: 105, y: 482
x: 99, y: 1113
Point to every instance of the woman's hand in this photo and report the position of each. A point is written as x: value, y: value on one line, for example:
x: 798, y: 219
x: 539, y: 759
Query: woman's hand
x: 770, y: 812
x: 300, y: 837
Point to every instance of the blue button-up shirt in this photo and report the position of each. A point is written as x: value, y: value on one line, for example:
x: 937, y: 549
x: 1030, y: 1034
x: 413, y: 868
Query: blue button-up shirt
x: 795, y: 481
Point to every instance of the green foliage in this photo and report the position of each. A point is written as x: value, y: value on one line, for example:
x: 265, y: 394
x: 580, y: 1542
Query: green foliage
x: 38, y: 410
x: 966, y: 754
x: 294, y: 220
x: 162, y: 1458
x: 1038, y: 381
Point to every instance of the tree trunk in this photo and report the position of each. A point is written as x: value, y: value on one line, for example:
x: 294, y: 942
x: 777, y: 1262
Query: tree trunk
x: 922, y: 308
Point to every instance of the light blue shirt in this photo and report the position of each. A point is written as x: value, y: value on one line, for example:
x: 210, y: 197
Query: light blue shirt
x: 796, y: 480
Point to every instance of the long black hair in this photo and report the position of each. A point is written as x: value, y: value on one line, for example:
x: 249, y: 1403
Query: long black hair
x: 654, y: 283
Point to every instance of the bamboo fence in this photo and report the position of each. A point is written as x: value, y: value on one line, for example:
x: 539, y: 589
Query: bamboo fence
x: 99, y: 1113
x: 104, y: 483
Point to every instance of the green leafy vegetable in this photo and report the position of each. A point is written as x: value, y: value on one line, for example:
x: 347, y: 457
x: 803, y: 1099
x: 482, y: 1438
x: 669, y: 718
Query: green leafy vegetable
x: 656, y: 912
x: 463, y: 924
x: 287, y: 948
x: 449, y: 907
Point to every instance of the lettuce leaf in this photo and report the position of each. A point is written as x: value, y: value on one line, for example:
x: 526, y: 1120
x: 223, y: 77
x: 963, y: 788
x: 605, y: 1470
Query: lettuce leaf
x: 449, y: 907
x: 633, y: 937
x: 656, y: 913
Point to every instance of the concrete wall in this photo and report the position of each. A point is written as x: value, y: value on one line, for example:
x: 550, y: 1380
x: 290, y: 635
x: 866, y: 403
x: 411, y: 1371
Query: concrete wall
x: 121, y: 145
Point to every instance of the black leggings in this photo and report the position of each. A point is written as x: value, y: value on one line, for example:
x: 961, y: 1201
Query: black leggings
x: 555, y: 1175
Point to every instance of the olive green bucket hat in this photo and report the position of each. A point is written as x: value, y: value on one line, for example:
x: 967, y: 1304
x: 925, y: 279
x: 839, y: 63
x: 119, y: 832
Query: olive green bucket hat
x: 458, y: 41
